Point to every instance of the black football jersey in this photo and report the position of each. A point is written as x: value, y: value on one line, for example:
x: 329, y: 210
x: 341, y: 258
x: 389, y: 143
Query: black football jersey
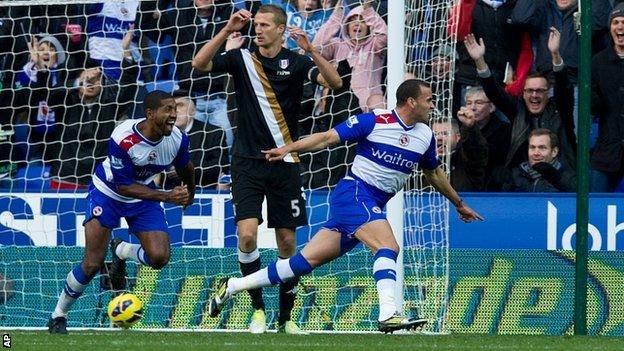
x: 268, y: 94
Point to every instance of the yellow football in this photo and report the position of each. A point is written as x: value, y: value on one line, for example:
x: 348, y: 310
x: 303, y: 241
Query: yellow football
x: 125, y: 310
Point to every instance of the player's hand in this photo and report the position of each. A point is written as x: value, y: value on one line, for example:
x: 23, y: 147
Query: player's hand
x: 299, y: 36
x: 189, y: 201
x: 234, y: 41
x: 275, y: 154
x: 238, y: 20
x: 476, y: 49
x: 179, y: 195
x: 466, y: 116
x: 467, y: 214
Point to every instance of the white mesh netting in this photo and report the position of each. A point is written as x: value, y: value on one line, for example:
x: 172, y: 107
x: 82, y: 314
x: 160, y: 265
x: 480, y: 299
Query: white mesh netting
x: 58, y: 110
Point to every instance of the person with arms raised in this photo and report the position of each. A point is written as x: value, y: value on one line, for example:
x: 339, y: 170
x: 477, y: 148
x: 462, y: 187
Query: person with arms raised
x: 269, y: 87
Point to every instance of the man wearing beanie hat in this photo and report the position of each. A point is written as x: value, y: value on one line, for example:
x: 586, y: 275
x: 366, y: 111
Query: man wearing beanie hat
x: 618, y: 11
x: 607, y: 160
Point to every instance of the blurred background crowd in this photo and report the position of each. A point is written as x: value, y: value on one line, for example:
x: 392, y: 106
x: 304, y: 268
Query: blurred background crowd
x: 507, y: 93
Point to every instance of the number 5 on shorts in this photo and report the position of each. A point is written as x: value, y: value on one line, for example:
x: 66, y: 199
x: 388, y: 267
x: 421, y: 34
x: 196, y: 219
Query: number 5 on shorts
x: 294, y: 206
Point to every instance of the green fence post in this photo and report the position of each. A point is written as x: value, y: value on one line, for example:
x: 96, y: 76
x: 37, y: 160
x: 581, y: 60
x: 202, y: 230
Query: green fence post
x: 582, y: 170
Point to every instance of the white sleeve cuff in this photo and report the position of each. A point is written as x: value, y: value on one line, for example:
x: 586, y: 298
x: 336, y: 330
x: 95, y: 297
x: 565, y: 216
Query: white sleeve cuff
x: 559, y: 67
x: 486, y: 73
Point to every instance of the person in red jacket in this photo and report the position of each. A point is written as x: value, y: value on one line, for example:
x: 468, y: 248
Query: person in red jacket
x: 509, y: 61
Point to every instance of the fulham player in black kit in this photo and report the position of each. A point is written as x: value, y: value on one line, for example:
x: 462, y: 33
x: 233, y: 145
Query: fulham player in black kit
x: 269, y: 87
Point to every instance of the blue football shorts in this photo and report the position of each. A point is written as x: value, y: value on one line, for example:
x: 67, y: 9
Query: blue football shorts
x: 142, y: 216
x: 351, y: 206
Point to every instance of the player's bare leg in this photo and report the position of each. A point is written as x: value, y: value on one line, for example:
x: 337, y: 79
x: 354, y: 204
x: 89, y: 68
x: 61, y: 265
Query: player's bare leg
x: 157, y: 248
x: 154, y: 250
x: 249, y: 262
x: 96, y: 242
x: 322, y: 248
x: 377, y: 236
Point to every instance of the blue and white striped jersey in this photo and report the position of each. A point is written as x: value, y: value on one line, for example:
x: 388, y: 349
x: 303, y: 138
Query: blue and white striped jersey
x: 388, y: 150
x: 134, y: 159
x: 107, y: 24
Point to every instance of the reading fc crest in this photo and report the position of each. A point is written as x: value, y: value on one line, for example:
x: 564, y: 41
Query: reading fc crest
x: 404, y: 140
x: 97, y: 210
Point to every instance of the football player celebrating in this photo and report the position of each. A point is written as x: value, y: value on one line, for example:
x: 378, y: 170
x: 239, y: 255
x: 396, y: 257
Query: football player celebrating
x: 123, y: 186
x: 390, y: 146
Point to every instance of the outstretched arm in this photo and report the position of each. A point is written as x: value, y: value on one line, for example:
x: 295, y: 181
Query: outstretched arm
x: 329, y: 77
x: 203, y: 59
x: 494, y: 91
x: 314, y: 142
x: 563, y: 90
x: 437, y: 178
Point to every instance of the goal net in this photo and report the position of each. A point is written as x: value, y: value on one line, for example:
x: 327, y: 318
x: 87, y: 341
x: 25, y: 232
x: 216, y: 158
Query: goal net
x: 66, y: 85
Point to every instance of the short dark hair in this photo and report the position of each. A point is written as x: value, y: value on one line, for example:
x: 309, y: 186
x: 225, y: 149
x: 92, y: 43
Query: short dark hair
x: 153, y: 100
x: 554, y: 139
x: 410, y: 88
x: 538, y: 75
x: 279, y: 15
x: 181, y: 93
x: 452, y: 121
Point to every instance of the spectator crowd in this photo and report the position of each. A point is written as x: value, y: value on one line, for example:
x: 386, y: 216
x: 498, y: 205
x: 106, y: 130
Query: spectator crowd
x: 506, y: 95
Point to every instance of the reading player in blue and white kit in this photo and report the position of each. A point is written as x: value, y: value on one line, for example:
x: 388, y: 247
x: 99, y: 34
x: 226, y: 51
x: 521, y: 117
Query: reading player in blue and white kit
x: 123, y: 186
x: 390, y: 145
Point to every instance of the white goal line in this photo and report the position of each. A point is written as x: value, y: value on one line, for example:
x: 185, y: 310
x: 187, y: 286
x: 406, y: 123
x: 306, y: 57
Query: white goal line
x: 186, y: 330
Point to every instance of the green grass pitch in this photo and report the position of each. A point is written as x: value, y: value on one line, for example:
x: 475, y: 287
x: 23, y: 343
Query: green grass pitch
x: 155, y: 341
